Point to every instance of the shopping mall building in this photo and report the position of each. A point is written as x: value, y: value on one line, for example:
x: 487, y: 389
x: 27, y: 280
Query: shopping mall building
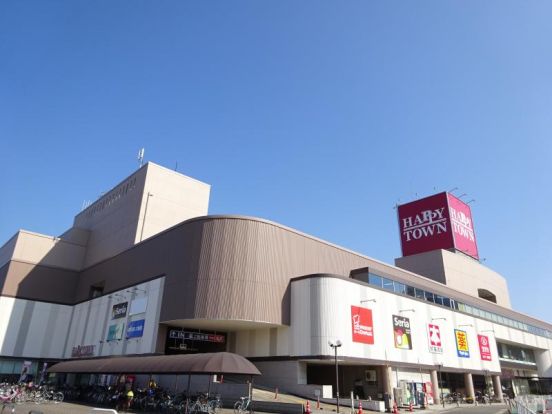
x: 145, y: 270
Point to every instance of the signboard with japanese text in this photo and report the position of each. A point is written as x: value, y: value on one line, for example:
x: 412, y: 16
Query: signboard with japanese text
x: 196, y: 336
x: 462, y: 347
x: 362, y: 325
x: 401, y: 332
x: 484, y: 347
x: 434, y: 338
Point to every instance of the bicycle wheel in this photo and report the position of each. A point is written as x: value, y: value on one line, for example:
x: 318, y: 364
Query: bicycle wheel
x: 238, y: 407
x: 58, y: 397
x: 195, y: 408
x: 214, y: 406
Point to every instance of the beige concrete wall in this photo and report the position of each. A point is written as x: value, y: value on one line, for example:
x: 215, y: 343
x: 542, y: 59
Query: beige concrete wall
x: 45, y: 250
x: 151, y: 200
x: 468, y: 275
x: 113, y: 219
x: 458, y: 272
x: 170, y: 198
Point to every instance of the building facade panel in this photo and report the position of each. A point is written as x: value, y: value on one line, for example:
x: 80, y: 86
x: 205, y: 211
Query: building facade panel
x: 32, y: 329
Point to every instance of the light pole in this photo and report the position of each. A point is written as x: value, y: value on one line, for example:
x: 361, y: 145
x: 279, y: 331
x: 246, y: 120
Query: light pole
x: 336, y: 344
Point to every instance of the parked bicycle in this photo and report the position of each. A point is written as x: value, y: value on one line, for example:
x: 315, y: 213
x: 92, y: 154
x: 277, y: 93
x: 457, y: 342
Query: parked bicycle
x: 243, y: 406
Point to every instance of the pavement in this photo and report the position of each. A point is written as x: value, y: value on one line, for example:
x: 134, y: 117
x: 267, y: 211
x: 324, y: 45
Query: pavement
x: 69, y: 408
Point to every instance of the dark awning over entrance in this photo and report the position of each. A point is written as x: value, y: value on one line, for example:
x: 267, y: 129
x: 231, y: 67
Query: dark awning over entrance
x: 213, y: 363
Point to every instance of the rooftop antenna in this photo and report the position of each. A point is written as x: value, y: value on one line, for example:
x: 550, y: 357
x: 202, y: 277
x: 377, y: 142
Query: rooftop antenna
x: 453, y: 190
x: 471, y: 201
x: 462, y: 195
x: 141, y: 156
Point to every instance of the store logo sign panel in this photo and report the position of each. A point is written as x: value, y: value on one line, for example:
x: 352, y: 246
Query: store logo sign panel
x: 362, y: 325
x: 115, y: 332
x: 462, y: 347
x: 82, y: 351
x: 135, y: 329
x: 434, y: 338
x: 484, y: 347
x: 119, y: 310
x: 138, y: 305
x: 401, y: 332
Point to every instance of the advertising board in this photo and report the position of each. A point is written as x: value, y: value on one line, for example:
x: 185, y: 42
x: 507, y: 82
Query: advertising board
x: 462, y: 226
x: 138, y: 305
x: 115, y: 332
x: 440, y: 221
x: 484, y: 347
x: 119, y: 310
x: 135, y: 329
x: 424, y: 225
x: 434, y: 339
x: 362, y: 325
x: 402, y: 336
x: 462, y: 347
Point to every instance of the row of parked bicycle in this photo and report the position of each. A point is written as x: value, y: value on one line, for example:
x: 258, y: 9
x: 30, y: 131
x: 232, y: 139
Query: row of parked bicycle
x: 19, y: 393
x: 151, y: 400
x: 458, y: 398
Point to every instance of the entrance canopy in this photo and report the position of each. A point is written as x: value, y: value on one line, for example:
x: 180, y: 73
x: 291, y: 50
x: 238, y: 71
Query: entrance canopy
x: 213, y: 363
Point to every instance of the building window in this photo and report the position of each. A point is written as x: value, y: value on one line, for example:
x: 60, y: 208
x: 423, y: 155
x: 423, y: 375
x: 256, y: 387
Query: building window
x: 388, y: 284
x: 96, y: 291
x: 429, y: 297
x: 400, y: 288
x: 485, y: 294
x: 375, y: 280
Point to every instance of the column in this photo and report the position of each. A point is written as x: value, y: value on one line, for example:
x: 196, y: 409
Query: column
x: 435, y: 387
x: 387, y: 375
x: 497, y: 386
x: 468, y: 382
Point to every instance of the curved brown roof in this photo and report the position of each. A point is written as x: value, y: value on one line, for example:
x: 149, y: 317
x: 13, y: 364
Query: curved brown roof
x: 211, y: 363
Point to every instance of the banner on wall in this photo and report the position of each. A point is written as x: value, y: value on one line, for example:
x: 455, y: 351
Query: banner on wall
x: 484, y: 347
x: 427, y: 387
x: 401, y: 332
x: 362, y: 325
x: 434, y: 338
x: 115, y: 332
x: 462, y: 347
x: 25, y: 371
x: 135, y: 329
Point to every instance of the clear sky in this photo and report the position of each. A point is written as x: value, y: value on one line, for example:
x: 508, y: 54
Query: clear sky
x: 320, y: 115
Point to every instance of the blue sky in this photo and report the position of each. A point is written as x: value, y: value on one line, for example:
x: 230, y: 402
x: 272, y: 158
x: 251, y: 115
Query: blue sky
x: 319, y: 115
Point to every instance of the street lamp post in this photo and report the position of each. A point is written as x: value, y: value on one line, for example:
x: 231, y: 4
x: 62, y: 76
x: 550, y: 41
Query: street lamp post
x: 336, y: 344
